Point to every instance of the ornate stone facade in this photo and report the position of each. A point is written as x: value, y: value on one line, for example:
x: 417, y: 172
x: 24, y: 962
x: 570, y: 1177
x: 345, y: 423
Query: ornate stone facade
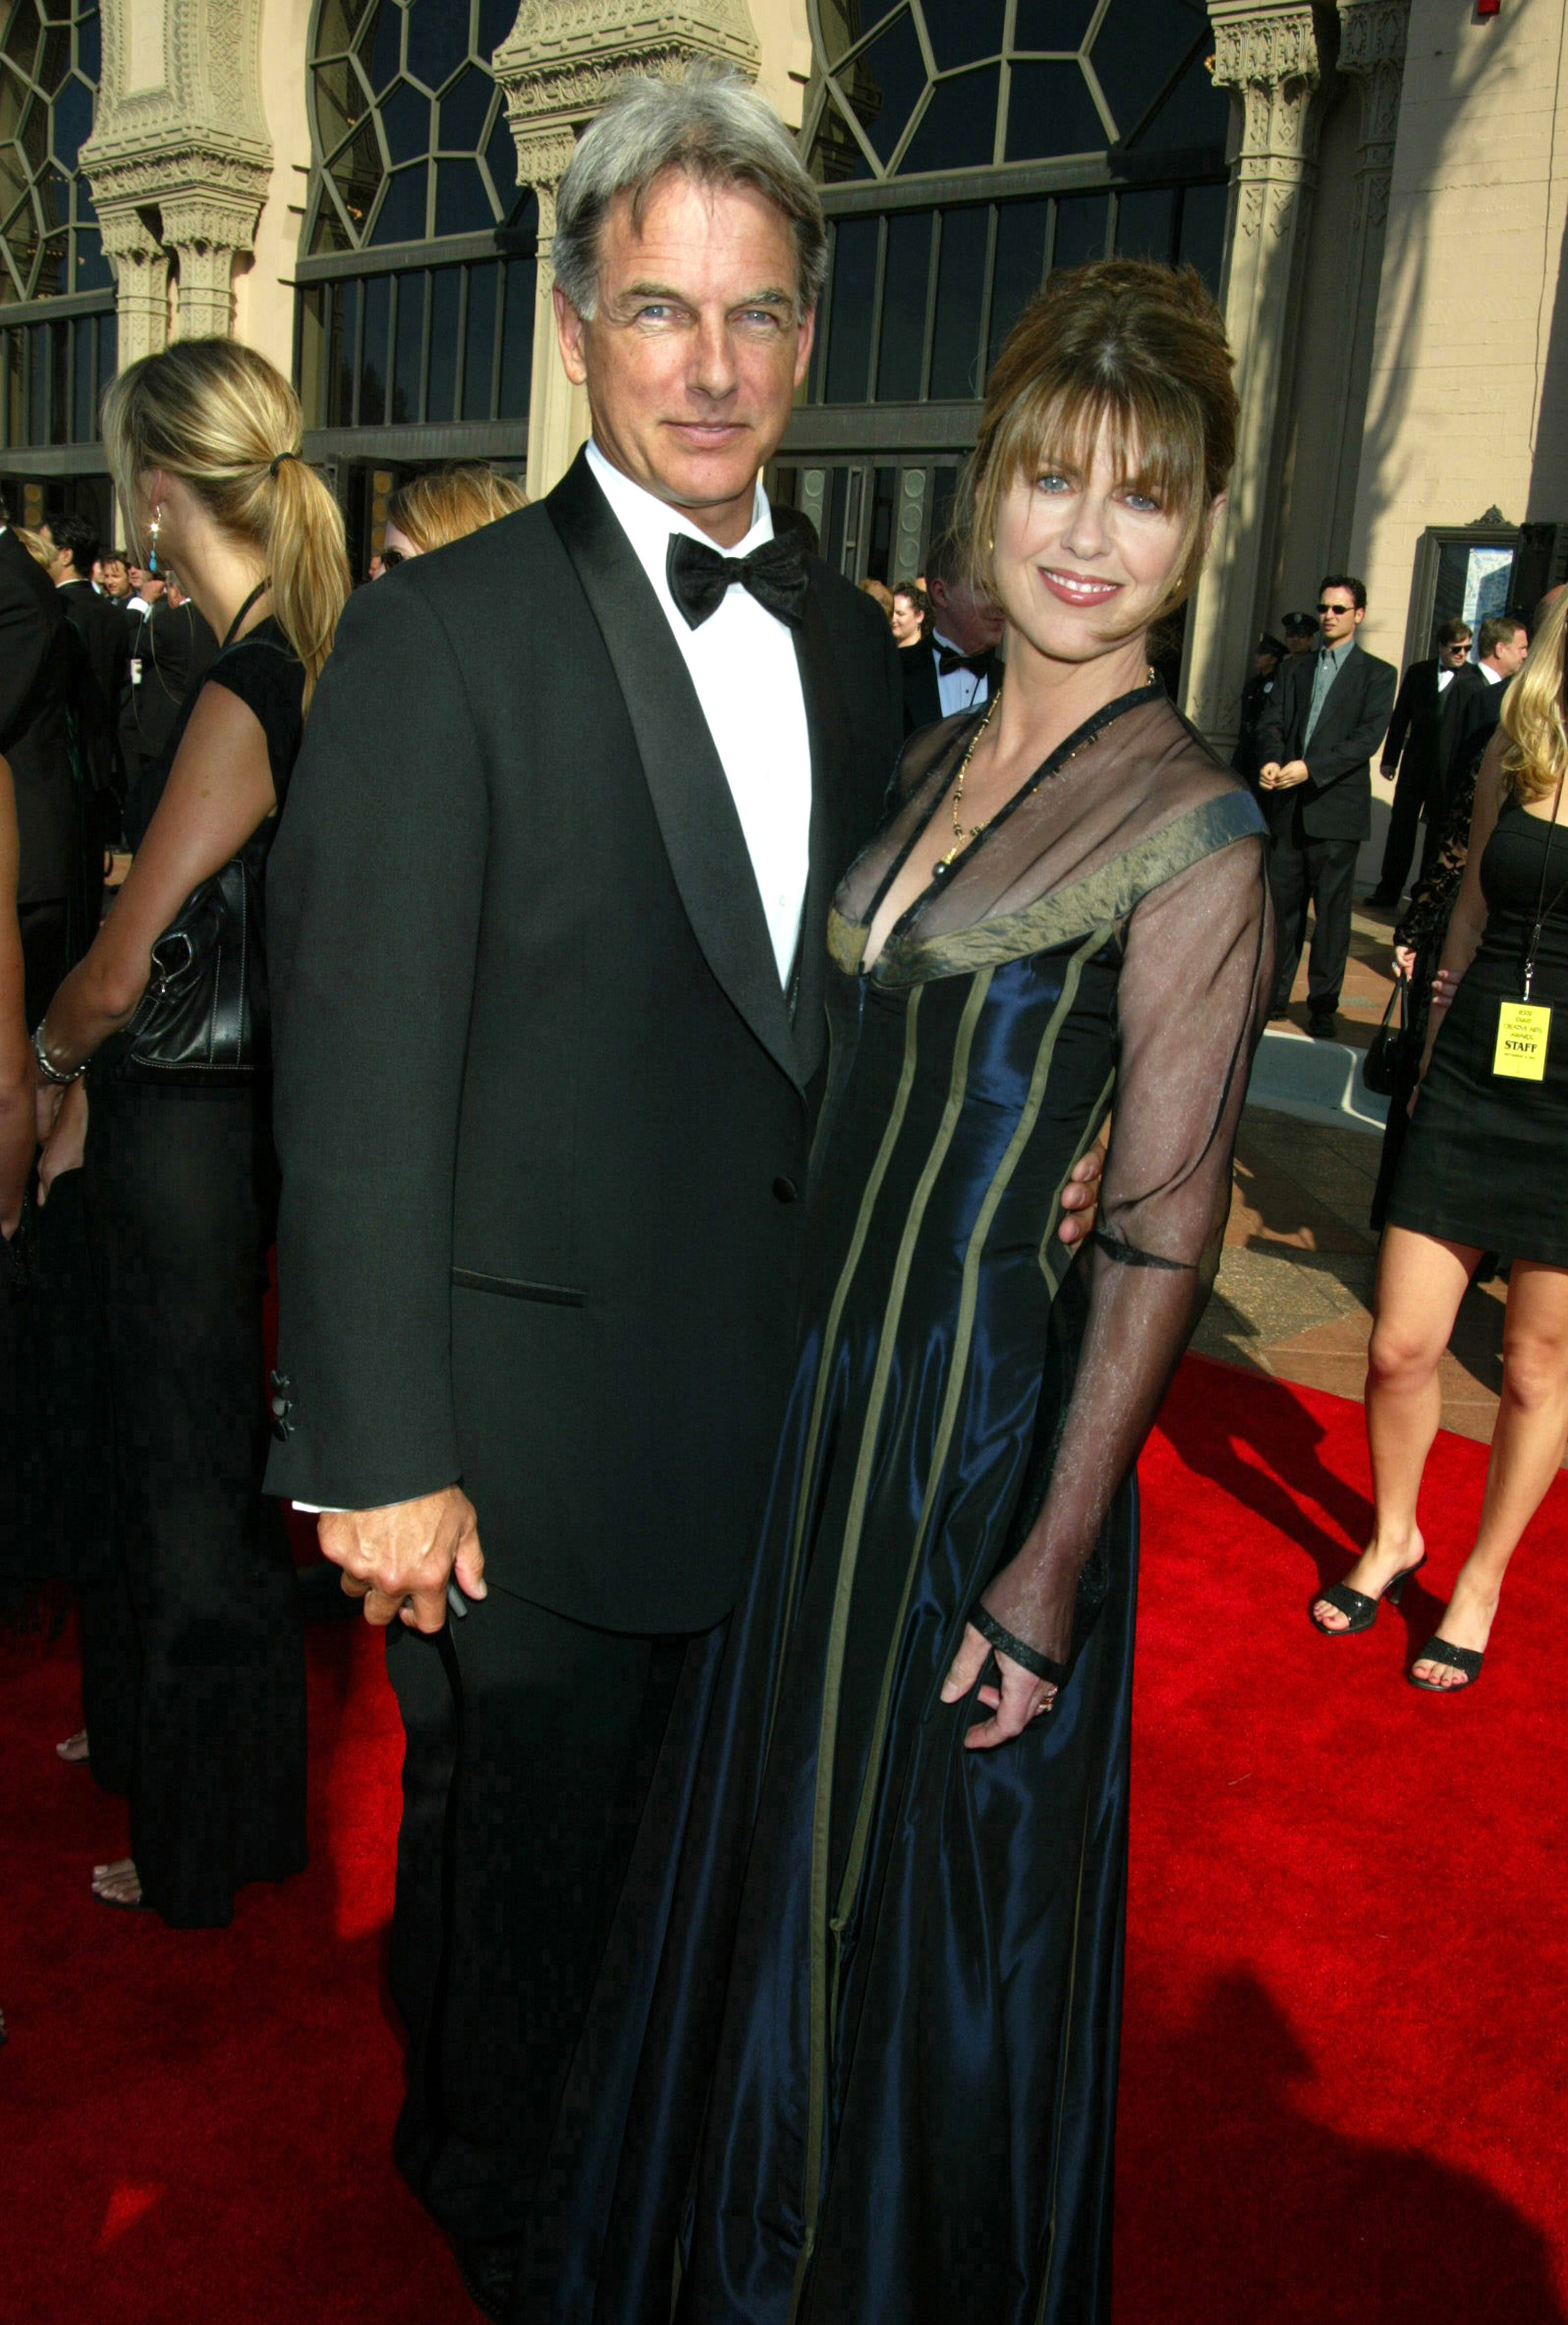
x: 1269, y: 55
x: 1372, y: 44
x: 557, y: 65
x: 179, y: 159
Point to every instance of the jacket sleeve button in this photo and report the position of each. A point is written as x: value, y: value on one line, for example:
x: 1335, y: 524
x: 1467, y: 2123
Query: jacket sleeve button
x: 785, y: 1190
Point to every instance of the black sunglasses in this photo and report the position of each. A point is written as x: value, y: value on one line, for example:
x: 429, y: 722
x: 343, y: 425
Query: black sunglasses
x: 1336, y: 609
x: 390, y: 558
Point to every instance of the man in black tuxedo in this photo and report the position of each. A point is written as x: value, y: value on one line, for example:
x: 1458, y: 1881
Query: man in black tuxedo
x: 1472, y: 707
x: 171, y: 646
x: 1410, y: 752
x: 1327, y: 714
x: 954, y: 665
x: 34, y: 683
x: 546, y: 937
x: 101, y: 691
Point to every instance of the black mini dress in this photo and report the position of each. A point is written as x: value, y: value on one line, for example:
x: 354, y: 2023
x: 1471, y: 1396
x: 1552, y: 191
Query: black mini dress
x: 1484, y: 1162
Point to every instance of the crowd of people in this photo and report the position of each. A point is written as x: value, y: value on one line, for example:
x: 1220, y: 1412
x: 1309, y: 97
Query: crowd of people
x: 741, y: 1076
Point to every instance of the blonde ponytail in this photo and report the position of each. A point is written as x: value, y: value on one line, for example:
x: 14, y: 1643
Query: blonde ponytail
x: 218, y: 415
x: 1536, y: 759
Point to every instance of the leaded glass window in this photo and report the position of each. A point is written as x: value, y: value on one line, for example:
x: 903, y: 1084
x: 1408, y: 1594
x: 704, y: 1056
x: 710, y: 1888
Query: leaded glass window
x: 411, y: 138
x: 908, y: 87
x: 50, y: 246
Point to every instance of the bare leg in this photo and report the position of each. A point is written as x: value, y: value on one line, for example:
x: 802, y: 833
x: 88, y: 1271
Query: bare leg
x: 1527, y: 1448
x: 1421, y: 1282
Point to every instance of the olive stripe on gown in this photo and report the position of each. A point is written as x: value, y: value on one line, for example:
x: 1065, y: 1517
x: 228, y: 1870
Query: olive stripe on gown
x: 856, y: 2050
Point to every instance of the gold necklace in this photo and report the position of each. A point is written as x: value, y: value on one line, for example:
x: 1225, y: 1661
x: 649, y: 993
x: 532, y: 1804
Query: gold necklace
x: 961, y: 838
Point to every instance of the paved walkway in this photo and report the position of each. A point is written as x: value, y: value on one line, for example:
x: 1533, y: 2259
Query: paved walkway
x: 1294, y: 1291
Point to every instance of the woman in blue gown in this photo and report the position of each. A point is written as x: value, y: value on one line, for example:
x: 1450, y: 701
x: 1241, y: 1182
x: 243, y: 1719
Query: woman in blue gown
x: 855, y: 2053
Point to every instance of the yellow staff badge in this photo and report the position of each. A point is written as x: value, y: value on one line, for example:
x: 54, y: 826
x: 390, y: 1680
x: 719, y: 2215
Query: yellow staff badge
x: 1521, y: 1051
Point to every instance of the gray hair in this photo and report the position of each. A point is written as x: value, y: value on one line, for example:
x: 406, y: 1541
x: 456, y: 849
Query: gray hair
x: 713, y: 126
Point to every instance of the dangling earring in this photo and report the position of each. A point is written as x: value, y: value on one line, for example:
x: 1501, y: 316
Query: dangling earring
x: 152, y: 543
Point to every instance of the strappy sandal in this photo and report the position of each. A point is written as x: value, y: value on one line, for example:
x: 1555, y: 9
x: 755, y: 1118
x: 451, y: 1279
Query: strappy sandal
x: 1468, y: 1660
x: 1360, y: 1611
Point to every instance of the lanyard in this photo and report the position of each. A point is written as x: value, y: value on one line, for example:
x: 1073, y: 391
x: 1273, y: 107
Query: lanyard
x: 260, y: 590
x: 1541, y: 907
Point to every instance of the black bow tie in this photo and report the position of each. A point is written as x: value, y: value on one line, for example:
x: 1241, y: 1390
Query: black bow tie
x: 774, y: 574
x: 950, y: 659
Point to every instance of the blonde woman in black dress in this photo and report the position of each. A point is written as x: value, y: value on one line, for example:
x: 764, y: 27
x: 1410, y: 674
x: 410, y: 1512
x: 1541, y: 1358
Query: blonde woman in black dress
x: 1482, y: 1169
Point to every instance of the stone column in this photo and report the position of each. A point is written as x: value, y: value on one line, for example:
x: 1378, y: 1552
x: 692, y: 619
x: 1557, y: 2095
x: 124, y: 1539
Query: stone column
x: 1267, y: 55
x: 1372, y: 39
x: 206, y: 232
x: 141, y: 268
x: 557, y: 65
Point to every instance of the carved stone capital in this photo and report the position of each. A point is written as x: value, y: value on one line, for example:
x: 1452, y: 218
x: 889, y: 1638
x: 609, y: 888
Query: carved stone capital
x: 562, y: 60
x: 1372, y: 44
x: 1269, y: 58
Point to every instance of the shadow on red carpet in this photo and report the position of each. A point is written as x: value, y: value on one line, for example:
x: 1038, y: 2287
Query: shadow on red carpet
x: 1344, y: 2054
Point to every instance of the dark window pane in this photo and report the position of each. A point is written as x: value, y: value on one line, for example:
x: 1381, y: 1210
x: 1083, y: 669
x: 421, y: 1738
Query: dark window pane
x: 884, y: 513
x: 957, y: 129
x: 59, y: 382
x: 54, y: 193
x: 93, y: 271
x: 836, y: 153
x: 843, y: 23
x: 438, y: 38
x: 1145, y: 224
x: 84, y: 370
x: 962, y: 32
x: 329, y: 232
x: 517, y: 338
x: 960, y: 281
x: 903, y: 301
x: 344, y: 327
x: 443, y: 342
x: 1022, y: 229
x: 849, y: 323
x: 497, y: 18
x: 882, y: 84
x: 340, y: 101
x: 465, y: 109
x: 357, y: 172
x: 835, y: 514
x: 372, y: 368
x: 401, y: 218
x: 1195, y: 113
x: 408, y: 347
x: 462, y: 198
x: 90, y: 50
x: 1053, y: 23
x: 379, y: 43
x: 479, y: 352
x: 1081, y: 226
x: 501, y: 153
x: 406, y: 116
x: 1138, y: 48
x: 1202, y: 244
x: 52, y: 271
x: 108, y: 360
x: 71, y: 118
x: 38, y: 396
x: 1050, y: 111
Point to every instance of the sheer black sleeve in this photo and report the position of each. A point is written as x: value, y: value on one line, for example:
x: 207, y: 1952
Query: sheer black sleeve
x: 1432, y: 900
x: 1192, y: 995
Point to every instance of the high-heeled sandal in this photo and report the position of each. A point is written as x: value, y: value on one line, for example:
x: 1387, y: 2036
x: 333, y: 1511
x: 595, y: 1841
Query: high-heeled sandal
x: 1360, y: 1611
x: 1468, y: 1660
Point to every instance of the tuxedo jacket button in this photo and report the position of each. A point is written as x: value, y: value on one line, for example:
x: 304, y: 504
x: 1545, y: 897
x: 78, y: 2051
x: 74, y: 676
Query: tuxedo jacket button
x: 785, y: 1190
x: 282, y: 1430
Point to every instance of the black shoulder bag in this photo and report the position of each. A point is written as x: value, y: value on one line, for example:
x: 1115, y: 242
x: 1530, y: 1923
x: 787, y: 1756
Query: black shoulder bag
x: 1385, y: 1050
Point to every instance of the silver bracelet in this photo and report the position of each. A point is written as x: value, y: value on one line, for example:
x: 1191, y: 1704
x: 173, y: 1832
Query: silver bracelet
x: 51, y: 1071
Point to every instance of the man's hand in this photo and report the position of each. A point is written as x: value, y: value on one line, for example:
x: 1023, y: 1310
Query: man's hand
x: 399, y: 1559
x: 67, y: 1142
x: 1081, y: 1195
x: 1285, y: 778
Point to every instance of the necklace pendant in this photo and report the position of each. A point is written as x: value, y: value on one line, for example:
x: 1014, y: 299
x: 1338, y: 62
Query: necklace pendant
x: 944, y: 864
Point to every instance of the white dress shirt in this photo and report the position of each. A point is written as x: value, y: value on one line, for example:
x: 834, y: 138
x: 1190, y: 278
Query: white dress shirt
x: 956, y: 689
x: 1444, y: 678
x: 742, y: 661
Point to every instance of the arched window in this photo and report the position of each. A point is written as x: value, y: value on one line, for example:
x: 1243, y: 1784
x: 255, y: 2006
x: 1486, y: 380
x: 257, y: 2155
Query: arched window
x: 417, y: 267
x: 57, y: 319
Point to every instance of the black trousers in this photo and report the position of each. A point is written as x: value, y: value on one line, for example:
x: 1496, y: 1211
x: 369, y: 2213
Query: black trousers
x: 531, y: 1741
x: 194, y: 1671
x: 1322, y: 872
x: 1404, y: 822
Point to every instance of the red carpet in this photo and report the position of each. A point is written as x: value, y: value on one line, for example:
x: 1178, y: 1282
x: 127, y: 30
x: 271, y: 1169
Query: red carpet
x: 1345, y: 2055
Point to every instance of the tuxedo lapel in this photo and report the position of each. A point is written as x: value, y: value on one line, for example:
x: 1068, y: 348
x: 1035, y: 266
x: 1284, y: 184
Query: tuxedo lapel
x: 691, y: 799
x: 832, y: 842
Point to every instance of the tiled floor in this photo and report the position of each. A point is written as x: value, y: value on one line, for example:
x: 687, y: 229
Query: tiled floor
x: 1295, y: 1293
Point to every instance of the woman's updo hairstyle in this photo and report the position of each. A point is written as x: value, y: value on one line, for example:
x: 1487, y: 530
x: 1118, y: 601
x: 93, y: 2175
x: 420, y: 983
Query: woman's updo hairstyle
x: 1123, y: 346
x: 216, y: 415
x: 446, y: 505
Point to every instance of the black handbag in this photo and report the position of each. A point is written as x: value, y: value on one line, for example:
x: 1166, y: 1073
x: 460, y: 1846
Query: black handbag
x: 1380, y: 1067
x: 205, y: 1012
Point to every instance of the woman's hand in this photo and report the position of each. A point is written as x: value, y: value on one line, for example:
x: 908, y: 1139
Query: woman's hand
x: 1405, y: 959
x: 1020, y: 1700
x: 1081, y: 1195
x: 67, y: 1142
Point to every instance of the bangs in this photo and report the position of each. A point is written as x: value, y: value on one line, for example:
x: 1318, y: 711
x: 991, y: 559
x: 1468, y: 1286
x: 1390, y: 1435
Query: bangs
x: 1152, y: 437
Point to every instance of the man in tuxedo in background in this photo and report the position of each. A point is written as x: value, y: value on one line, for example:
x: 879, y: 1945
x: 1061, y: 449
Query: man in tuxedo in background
x: 1410, y: 752
x: 101, y: 693
x: 954, y: 665
x: 1327, y: 714
x: 1472, y: 707
x: 171, y: 646
x: 34, y: 684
